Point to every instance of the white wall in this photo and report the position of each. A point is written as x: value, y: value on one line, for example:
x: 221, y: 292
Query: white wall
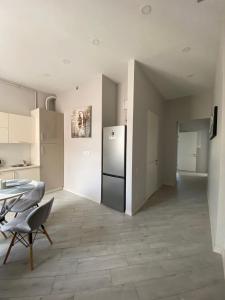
x: 201, y: 126
x: 109, y: 102
x: 15, y: 153
x: 216, y: 182
x: 202, y: 151
x: 122, y: 103
x: 130, y: 127
x: 82, y: 156
x: 142, y: 96
x: 18, y: 100
x: 180, y: 110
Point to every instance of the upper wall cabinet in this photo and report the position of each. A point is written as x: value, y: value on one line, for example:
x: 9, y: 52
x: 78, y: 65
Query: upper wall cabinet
x: 4, y: 120
x: 20, y: 129
x: 4, y: 128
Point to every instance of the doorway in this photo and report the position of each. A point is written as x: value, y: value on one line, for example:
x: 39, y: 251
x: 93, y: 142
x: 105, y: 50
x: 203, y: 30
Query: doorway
x: 192, y: 147
x: 187, y: 151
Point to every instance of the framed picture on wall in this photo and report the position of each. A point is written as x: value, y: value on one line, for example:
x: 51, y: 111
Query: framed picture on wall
x: 81, y: 122
x: 213, y: 123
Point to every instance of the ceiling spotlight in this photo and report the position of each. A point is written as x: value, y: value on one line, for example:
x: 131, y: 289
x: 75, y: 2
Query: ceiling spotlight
x: 46, y: 75
x: 186, y: 49
x: 146, y: 9
x: 190, y: 75
x: 96, y: 42
x: 66, y: 61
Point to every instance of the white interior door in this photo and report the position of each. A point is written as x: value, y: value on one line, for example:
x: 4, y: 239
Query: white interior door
x: 152, y: 153
x: 187, y: 151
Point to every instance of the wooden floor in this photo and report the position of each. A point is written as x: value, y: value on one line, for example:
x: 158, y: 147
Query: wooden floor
x: 164, y: 252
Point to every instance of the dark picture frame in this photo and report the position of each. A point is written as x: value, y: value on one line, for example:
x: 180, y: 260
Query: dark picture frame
x: 213, y: 123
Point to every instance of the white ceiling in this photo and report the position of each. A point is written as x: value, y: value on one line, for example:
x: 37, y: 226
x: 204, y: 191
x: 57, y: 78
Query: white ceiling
x: 36, y: 36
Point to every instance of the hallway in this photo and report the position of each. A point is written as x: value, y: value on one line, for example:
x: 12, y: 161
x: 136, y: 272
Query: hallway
x: 163, y: 252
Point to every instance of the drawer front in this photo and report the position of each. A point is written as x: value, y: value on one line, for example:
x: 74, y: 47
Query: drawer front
x: 30, y: 174
x: 7, y: 175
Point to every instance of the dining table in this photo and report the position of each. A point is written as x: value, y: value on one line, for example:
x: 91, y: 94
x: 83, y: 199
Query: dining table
x: 14, y: 189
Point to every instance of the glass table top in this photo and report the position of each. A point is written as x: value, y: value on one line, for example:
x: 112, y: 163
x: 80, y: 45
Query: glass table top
x: 16, y: 188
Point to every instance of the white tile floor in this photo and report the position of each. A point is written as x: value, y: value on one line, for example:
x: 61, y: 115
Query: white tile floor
x: 164, y: 252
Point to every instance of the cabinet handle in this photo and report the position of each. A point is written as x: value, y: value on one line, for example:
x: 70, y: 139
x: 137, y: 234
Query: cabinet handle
x: 22, y: 142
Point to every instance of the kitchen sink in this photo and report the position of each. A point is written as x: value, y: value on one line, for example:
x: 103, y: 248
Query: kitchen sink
x: 20, y: 165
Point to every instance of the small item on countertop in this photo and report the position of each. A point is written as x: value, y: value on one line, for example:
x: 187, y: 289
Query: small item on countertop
x: 2, y: 162
x: 26, y: 164
x: 2, y: 184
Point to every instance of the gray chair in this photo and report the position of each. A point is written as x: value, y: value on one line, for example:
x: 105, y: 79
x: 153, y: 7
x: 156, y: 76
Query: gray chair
x: 29, y: 199
x: 26, y: 224
x: 2, y: 222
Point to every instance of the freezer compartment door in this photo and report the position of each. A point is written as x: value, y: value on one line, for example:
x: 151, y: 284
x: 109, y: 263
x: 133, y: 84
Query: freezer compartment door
x: 114, y: 150
x: 113, y: 192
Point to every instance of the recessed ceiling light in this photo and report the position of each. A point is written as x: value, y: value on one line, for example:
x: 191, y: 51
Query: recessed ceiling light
x: 96, y: 42
x: 146, y: 9
x: 66, y: 61
x: 46, y: 75
x: 186, y: 49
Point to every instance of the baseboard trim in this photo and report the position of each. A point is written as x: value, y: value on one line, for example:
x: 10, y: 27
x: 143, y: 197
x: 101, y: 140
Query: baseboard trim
x: 220, y: 251
x: 136, y: 210
x: 82, y: 196
x: 128, y: 213
x: 54, y: 190
x: 223, y: 258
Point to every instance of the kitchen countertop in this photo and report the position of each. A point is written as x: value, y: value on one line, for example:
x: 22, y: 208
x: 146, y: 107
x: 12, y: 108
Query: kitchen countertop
x: 8, y: 168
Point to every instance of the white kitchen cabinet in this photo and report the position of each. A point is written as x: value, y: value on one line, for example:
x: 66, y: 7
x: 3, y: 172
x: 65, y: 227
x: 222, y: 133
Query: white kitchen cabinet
x: 20, y: 129
x: 4, y: 135
x: 4, y: 120
x: 4, y: 124
x: 7, y: 175
x: 31, y: 174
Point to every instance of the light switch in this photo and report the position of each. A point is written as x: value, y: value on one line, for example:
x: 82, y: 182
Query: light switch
x: 86, y: 153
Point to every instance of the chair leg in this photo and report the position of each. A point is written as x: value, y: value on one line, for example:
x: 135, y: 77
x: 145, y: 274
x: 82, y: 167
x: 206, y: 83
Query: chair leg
x: 10, y: 247
x: 5, y: 236
x: 31, y: 251
x: 47, y: 235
